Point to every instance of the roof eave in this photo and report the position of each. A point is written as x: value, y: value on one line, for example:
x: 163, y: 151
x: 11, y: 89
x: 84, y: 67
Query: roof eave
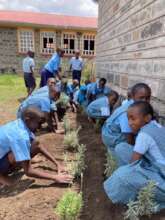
x: 32, y: 25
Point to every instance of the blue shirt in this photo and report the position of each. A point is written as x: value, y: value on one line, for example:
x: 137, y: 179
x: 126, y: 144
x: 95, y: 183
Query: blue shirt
x: 16, y: 137
x: 77, y: 64
x: 71, y: 89
x: 27, y: 64
x: 94, y: 89
x: 53, y: 64
x: 43, y: 103
x: 43, y: 91
x: 122, y: 120
x: 99, y: 108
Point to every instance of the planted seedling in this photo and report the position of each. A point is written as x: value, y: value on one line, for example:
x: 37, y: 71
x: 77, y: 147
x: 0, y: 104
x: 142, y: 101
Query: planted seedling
x: 69, y: 206
x: 110, y: 165
x: 63, y: 100
x: 144, y: 205
x: 67, y: 124
x: 77, y: 167
x: 71, y: 139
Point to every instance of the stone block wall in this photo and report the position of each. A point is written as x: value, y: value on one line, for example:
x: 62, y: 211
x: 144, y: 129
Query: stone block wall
x: 131, y: 45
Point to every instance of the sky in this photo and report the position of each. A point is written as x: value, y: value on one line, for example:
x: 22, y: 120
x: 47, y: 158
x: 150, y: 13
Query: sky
x: 68, y: 7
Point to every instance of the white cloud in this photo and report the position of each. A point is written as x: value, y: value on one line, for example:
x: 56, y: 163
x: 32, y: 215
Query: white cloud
x: 70, y: 7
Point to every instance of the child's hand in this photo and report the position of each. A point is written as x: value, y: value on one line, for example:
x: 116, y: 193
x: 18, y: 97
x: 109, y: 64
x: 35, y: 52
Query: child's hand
x: 64, y: 178
x: 61, y: 169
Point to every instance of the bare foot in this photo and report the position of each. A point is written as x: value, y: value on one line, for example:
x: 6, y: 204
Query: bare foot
x: 60, y: 131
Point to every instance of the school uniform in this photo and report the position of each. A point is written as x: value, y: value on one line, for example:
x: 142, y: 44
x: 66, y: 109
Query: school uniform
x: 100, y: 108
x: 94, y: 90
x: 50, y: 69
x: 115, y: 126
x: 80, y: 95
x: 43, y: 91
x: 125, y: 183
x: 29, y: 79
x: 77, y: 66
x: 44, y: 104
x: 70, y: 90
x: 15, y: 137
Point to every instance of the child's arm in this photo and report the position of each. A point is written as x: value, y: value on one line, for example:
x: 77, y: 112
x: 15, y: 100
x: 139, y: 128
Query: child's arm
x: 44, y: 152
x: 136, y: 156
x: 29, y: 171
x: 130, y: 138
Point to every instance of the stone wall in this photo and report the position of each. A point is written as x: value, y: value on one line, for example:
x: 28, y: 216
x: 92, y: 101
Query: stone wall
x: 11, y: 60
x: 131, y: 45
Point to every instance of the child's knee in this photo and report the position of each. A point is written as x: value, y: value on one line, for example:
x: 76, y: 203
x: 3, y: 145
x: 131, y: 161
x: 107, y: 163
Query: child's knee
x: 35, y: 143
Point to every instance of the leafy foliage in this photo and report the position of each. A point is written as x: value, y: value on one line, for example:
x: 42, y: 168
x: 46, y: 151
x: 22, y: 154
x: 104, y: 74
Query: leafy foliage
x: 110, y: 165
x: 144, y: 205
x: 69, y: 207
x: 77, y: 167
x: 67, y: 124
x: 80, y: 160
x: 63, y: 100
x: 71, y: 139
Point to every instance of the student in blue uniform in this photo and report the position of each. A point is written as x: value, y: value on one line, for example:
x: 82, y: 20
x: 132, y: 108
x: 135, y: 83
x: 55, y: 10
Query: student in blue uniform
x: 129, y: 97
x: 44, y: 91
x: 116, y: 128
x: 97, y: 89
x: 51, y: 69
x: 144, y: 162
x: 18, y: 145
x: 46, y: 105
x: 71, y: 90
x: 102, y: 107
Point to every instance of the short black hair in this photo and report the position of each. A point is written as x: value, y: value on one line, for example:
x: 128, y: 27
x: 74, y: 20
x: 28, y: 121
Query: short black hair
x: 33, y: 113
x: 103, y: 80
x: 139, y: 86
x: 114, y: 93
x: 144, y: 107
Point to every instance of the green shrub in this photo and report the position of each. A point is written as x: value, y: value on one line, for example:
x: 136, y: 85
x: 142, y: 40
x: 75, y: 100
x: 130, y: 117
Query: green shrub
x: 63, y: 100
x: 77, y: 167
x: 110, y: 165
x: 144, y: 205
x: 67, y: 124
x: 69, y: 206
x: 71, y: 139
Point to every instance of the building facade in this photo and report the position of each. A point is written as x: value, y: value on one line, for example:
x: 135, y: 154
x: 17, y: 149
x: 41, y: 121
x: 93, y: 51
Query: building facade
x: 43, y: 33
x: 131, y: 45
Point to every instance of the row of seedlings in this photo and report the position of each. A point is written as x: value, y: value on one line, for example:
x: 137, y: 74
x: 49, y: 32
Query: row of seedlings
x: 70, y: 205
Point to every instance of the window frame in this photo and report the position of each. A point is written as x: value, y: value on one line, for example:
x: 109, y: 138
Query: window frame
x: 88, y: 52
x: 41, y: 42
x: 75, y: 43
x: 19, y: 39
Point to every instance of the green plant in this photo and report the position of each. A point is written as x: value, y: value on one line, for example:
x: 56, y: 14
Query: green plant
x: 69, y: 206
x: 63, y: 100
x: 67, y: 124
x: 77, y: 167
x: 80, y: 166
x: 110, y: 165
x: 132, y: 212
x: 145, y: 204
x: 71, y: 139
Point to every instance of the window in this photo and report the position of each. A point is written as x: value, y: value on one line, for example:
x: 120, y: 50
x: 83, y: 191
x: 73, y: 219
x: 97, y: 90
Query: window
x: 48, y: 40
x: 69, y: 43
x: 26, y: 40
x: 88, y: 44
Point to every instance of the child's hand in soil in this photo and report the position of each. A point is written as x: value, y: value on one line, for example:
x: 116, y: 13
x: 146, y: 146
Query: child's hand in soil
x: 64, y: 178
x: 61, y: 169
